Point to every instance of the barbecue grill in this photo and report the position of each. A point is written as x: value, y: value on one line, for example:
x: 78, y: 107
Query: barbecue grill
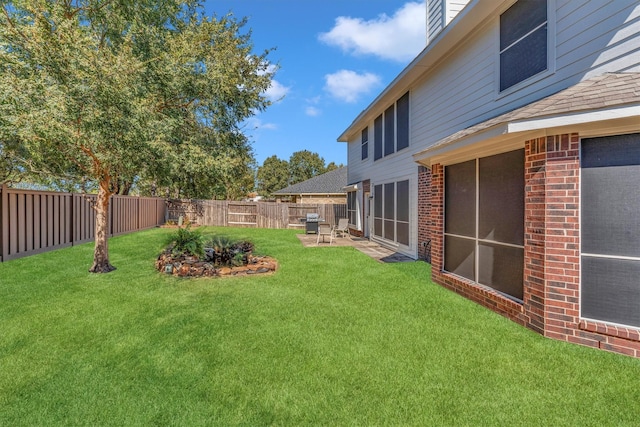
x: 311, y: 223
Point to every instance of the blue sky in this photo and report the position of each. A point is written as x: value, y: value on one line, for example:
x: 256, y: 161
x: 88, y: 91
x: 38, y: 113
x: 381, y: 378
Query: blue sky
x: 334, y: 57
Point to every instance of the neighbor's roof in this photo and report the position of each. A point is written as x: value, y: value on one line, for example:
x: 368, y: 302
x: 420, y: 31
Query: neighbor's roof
x: 610, y: 96
x: 327, y: 183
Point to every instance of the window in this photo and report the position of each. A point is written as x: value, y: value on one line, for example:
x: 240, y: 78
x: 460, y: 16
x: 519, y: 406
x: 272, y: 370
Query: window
x: 391, y: 211
x: 352, y: 207
x: 403, y: 121
x: 484, y: 221
x: 365, y: 143
x: 523, y: 42
x: 391, y: 129
x: 610, y: 228
x: 377, y: 138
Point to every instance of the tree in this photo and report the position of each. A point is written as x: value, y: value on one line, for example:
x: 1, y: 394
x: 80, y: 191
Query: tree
x: 272, y: 176
x: 304, y: 165
x: 110, y: 91
x: 332, y: 166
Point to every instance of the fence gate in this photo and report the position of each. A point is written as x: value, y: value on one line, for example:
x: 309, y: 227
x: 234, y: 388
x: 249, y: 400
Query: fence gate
x: 243, y: 215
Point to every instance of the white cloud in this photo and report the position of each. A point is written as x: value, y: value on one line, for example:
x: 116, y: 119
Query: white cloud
x: 312, y: 111
x: 348, y: 85
x: 277, y: 91
x: 255, y: 123
x: 398, y: 38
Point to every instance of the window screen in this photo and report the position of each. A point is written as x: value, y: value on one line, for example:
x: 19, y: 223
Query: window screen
x: 365, y: 143
x: 389, y: 131
x: 403, y: 121
x: 484, y: 221
x: 351, y: 207
x: 523, y: 42
x: 391, y: 215
x: 460, y: 200
x: 460, y: 257
x: 501, y: 198
x: 377, y: 210
x: 389, y: 211
x: 402, y: 212
x: 377, y: 138
x: 610, y: 229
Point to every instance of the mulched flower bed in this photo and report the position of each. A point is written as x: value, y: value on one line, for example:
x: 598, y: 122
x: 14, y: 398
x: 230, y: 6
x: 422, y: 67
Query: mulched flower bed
x: 189, y: 266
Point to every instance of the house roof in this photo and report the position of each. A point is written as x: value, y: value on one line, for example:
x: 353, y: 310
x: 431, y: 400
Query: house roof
x: 327, y: 183
x: 472, y: 16
x: 604, y: 98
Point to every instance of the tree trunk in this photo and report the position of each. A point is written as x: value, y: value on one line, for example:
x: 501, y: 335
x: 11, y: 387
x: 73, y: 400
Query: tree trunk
x: 101, y: 252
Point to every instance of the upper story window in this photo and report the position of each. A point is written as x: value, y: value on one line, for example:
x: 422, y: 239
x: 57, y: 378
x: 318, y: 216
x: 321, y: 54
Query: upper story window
x: 377, y: 137
x: 365, y: 143
x: 391, y: 129
x: 523, y: 42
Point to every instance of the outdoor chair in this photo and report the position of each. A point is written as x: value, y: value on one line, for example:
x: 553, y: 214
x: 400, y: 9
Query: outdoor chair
x: 325, y: 230
x: 342, y: 228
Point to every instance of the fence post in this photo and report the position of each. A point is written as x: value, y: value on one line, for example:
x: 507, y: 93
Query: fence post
x: 3, y: 216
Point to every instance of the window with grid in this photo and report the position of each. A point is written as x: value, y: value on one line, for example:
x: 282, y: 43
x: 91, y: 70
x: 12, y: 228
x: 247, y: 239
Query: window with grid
x: 391, y: 129
x: 484, y: 221
x: 610, y: 229
x: 523, y: 42
x: 391, y: 211
x: 377, y: 138
x: 351, y: 207
x: 365, y: 143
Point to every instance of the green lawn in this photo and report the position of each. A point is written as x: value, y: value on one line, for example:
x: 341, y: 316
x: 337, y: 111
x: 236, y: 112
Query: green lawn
x: 333, y: 338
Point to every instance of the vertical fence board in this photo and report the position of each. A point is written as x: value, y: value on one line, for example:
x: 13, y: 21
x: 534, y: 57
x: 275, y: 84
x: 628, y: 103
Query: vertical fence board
x: 36, y: 221
x: 29, y: 222
x: 22, y: 238
x: 13, y: 220
x: 255, y: 214
x: 32, y: 222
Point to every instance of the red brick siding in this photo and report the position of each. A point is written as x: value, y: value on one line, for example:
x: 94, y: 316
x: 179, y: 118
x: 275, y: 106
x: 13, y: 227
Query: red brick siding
x: 534, y: 233
x: 436, y: 223
x: 424, y: 209
x: 551, y: 301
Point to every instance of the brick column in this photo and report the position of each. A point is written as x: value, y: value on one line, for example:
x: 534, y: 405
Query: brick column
x: 562, y: 238
x: 534, y: 233
x: 424, y: 212
x: 552, y: 238
x: 436, y: 225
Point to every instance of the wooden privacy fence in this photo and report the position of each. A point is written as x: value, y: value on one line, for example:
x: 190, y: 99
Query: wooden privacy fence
x: 253, y: 214
x: 32, y: 222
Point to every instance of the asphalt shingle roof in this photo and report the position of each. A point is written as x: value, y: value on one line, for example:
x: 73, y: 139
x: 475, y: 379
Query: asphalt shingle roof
x: 327, y: 183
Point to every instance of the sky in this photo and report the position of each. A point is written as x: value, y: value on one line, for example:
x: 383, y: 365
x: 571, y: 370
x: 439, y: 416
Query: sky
x: 333, y: 57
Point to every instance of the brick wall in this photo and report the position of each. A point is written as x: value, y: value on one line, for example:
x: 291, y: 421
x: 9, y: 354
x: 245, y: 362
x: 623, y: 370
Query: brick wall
x: 424, y: 209
x: 551, y: 300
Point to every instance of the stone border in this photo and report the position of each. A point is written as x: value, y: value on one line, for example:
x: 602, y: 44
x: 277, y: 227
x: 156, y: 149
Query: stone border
x: 188, y: 266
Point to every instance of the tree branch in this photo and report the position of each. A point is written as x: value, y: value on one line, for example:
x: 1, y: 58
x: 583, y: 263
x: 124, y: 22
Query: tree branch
x: 12, y: 24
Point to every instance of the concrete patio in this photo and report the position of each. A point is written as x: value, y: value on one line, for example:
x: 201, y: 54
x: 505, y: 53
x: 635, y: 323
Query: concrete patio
x: 374, y: 250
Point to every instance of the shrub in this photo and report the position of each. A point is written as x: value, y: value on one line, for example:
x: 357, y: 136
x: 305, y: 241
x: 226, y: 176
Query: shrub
x: 225, y: 251
x: 187, y: 241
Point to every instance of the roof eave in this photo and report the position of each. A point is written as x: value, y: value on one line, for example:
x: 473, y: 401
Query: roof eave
x: 471, y: 17
x: 511, y: 135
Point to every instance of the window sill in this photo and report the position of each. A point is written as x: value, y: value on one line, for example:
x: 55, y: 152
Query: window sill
x: 626, y: 332
x: 483, y: 294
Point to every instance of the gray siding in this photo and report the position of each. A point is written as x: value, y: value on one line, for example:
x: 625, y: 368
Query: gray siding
x: 586, y: 39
